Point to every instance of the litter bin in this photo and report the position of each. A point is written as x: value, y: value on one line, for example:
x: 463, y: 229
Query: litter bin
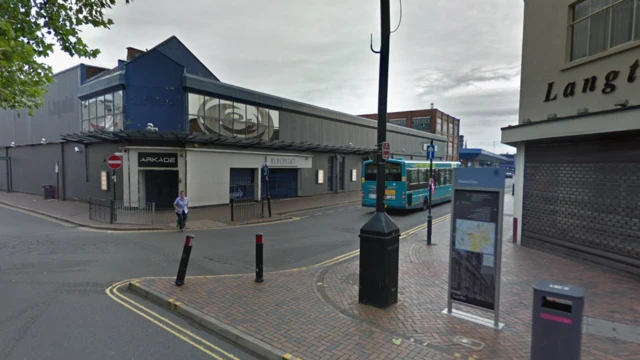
x: 557, y: 321
x: 49, y: 192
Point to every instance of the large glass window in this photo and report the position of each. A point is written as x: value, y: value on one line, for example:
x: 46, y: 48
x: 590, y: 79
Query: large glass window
x: 104, y: 112
x: 210, y: 115
x: 401, y: 122
x: 421, y: 123
x: 228, y: 118
x: 252, y: 121
x: 263, y: 124
x: 274, y: 126
x: 239, y: 119
x: 598, y: 25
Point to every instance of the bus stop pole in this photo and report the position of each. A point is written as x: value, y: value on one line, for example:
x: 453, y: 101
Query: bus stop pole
x: 429, y: 217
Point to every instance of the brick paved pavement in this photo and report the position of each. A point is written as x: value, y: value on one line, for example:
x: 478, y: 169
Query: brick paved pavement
x: 313, y: 313
x: 200, y: 218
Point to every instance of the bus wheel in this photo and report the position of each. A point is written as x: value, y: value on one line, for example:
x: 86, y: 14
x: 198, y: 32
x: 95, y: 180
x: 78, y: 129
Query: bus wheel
x: 425, y: 204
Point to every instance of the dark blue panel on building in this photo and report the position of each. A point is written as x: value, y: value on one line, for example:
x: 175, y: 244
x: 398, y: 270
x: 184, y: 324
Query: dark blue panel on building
x: 242, y: 184
x: 179, y: 53
x: 154, y: 93
x: 283, y: 183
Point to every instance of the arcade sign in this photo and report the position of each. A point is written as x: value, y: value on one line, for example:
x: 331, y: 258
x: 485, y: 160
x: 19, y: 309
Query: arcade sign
x: 157, y: 160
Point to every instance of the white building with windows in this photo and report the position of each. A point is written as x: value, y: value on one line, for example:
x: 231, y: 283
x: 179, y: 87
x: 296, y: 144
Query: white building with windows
x: 578, y: 132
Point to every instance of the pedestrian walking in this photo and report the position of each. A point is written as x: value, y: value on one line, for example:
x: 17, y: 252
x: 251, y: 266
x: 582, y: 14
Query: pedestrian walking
x: 182, y: 210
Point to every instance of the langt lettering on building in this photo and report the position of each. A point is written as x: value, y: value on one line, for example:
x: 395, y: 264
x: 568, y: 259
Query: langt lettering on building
x: 590, y: 84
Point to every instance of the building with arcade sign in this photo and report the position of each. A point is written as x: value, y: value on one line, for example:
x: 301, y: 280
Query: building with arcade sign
x: 177, y: 126
x: 578, y: 133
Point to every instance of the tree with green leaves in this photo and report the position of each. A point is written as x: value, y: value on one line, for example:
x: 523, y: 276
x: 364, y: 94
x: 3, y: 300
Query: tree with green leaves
x: 29, y: 30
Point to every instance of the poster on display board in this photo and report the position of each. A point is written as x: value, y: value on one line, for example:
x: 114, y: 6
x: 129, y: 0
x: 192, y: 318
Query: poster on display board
x: 476, y: 240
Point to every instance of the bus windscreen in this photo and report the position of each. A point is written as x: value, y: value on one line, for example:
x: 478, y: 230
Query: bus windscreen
x: 393, y: 172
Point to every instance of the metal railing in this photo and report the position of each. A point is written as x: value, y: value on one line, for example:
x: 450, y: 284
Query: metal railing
x: 116, y: 212
x: 243, y: 205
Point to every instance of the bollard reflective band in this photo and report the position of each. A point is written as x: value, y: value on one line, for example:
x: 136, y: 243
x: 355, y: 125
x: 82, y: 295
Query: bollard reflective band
x: 187, y: 240
x: 259, y: 238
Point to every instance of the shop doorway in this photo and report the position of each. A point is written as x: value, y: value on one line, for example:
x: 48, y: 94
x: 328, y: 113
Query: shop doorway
x: 161, y: 187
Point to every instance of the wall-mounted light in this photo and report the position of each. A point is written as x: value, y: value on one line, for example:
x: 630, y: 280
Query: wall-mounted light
x: 13, y: 144
x: 354, y: 175
x: 43, y: 141
x: 320, y: 178
x: 583, y: 111
x: 151, y: 128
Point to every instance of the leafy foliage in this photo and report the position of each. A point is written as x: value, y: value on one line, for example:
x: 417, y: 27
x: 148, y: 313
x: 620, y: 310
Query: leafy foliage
x: 29, y: 29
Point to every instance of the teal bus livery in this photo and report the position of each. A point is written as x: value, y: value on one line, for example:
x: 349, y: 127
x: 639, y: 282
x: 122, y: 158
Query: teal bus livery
x: 407, y: 183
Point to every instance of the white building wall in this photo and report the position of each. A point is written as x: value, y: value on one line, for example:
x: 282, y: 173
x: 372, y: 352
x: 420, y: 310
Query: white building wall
x: 546, y: 58
x: 134, y: 191
x: 208, y: 171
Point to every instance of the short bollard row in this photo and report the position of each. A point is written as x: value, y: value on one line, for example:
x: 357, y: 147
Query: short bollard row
x: 186, y: 254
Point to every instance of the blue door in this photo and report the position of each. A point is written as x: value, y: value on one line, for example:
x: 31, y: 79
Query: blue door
x: 283, y: 183
x: 242, y: 184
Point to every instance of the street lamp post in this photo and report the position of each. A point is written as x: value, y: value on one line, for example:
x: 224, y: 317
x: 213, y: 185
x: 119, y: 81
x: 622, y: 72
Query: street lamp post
x: 380, y: 236
x: 432, y: 182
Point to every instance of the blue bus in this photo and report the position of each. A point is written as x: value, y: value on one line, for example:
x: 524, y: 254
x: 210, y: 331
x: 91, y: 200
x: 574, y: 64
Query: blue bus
x: 407, y: 183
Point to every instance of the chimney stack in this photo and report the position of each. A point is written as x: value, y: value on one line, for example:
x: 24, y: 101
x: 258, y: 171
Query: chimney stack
x: 132, y: 53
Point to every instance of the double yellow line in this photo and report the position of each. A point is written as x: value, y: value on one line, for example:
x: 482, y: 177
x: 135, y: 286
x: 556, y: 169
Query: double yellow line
x: 402, y: 236
x: 184, y: 334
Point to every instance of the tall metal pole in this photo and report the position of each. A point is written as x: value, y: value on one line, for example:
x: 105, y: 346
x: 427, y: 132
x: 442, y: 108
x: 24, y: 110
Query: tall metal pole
x: 380, y: 236
x: 385, y: 13
x: 429, y: 217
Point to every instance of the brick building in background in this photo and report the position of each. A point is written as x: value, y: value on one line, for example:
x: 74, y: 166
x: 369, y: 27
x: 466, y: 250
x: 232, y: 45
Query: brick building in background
x: 429, y: 120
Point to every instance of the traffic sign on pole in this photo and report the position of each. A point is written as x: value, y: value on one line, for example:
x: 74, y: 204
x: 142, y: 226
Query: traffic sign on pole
x: 114, y: 161
x: 386, y: 150
x: 431, y: 152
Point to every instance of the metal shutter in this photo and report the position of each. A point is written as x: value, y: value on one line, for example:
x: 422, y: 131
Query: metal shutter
x: 583, y: 198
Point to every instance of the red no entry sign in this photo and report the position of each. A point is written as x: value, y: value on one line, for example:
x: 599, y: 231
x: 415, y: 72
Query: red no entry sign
x: 114, y: 161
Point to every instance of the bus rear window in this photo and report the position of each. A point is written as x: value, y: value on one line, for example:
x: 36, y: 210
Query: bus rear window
x: 393, y: 172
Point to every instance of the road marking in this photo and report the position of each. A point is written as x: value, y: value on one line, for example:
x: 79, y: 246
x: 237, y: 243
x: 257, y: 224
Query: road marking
x: 351, y: 254
x: 317, y: 214
x: 165, y: 323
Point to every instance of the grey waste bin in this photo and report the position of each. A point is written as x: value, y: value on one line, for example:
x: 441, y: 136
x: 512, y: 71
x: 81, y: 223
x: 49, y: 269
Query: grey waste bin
x: 557, y: 321
x: 49, y: 192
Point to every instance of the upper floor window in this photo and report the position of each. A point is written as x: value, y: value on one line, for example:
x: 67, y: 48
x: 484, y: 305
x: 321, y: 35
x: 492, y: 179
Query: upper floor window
x: 104, y: 112
x: 218, y: 116
x: 401, y: 122
x: 421, y: 123
x: 598, y: 25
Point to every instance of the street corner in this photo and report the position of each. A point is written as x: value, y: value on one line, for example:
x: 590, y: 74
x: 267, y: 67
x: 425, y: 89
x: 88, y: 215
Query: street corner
x: 191, y: 301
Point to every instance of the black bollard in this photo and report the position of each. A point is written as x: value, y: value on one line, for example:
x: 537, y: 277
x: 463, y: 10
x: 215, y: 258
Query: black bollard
x: 429, y: 228
x: 184, y: 261
x: 259, y: 266
x: 513, y: 189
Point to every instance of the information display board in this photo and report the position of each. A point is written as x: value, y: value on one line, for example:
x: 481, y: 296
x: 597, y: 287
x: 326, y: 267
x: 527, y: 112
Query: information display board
x: 473, y: 276
x: 476, y: 241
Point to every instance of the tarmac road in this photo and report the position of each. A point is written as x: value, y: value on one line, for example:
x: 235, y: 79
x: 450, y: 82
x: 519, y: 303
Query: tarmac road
x: 53, y: 279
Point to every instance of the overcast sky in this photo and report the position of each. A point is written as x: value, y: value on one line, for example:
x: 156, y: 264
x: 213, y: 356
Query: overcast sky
x: 464, y: 56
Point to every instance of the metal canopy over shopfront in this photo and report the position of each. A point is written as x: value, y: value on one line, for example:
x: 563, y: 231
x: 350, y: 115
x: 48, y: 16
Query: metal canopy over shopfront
x: 207, y: 139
